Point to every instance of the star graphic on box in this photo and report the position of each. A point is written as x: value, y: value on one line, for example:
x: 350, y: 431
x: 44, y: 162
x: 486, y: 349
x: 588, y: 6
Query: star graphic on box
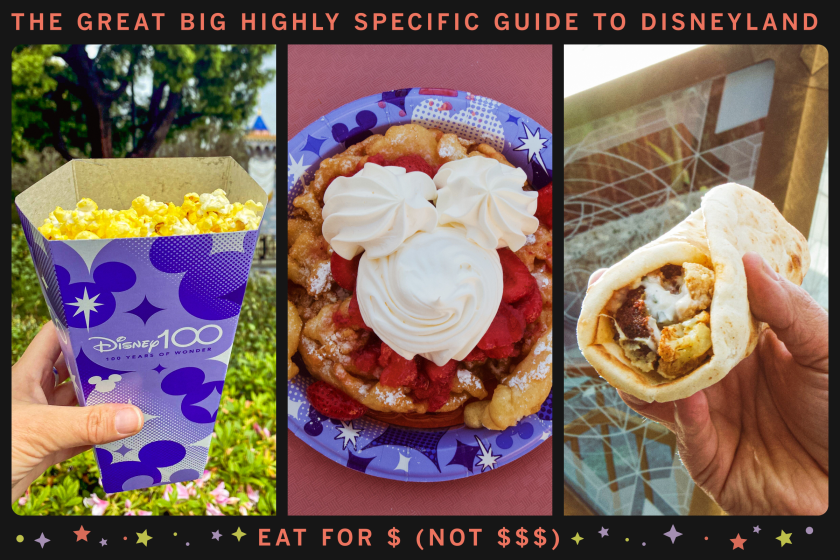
x: 86, y: 305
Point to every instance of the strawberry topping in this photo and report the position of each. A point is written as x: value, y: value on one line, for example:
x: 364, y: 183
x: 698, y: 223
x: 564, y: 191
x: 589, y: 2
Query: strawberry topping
x: 414, y: 163
x: 333, y: 403
x: 543, y: 213
x: 440, y: 382
x: 507, y: 327
x: 398, y: 371
x: 344, y: 272
x: 367, y: 358
x: 475, y: 355
x: 515, y: 274
x: 531, y: 303
x: 352, y: 318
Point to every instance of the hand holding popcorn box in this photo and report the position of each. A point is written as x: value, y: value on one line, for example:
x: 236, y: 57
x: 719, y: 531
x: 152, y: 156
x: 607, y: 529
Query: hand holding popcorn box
x: 144, y: 264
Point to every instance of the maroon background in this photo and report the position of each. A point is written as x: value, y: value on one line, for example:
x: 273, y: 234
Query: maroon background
x: 325, y: 77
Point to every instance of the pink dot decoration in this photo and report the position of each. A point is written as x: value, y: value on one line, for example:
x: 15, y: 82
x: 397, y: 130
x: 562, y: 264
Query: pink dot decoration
x: 809, y: 530
x: 402, y: 113
x: 381, y: 104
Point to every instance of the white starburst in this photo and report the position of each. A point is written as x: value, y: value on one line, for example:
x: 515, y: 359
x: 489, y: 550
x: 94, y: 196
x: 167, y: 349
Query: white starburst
x: 294, y: 407
x: 296, y: 168
x: 487, y: 459
x: 86, y: 305
x: 533, y: 143
x: 348, y: 433
x: 403, y: 466
x: 545, y: 435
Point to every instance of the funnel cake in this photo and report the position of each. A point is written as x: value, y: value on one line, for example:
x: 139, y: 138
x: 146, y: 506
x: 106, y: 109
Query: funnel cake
x: 498, y: 381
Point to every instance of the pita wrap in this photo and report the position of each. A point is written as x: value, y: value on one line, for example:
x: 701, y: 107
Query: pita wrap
x: 732, y: 220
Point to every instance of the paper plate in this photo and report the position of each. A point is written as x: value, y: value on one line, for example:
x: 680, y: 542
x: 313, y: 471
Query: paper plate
x: 372, y: 446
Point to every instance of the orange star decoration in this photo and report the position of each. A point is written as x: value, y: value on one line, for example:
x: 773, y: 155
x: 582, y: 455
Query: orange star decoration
x: 81, y: 534
x: 739, y: 542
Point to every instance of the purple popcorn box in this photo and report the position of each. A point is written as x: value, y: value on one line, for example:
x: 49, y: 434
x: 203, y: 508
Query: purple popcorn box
x: 146, y: 321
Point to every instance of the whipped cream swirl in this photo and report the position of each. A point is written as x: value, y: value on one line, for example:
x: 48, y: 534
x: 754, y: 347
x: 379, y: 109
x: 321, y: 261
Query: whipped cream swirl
x: 436, y: 295
x: 486, y: 197
x: 377, y: 209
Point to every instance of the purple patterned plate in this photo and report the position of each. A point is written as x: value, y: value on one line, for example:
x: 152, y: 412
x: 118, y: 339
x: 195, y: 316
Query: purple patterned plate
x: 372, y: 446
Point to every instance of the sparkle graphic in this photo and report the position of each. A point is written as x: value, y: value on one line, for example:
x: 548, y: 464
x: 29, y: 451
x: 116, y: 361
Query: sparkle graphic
x: 122, y: 450
x: 672, y: 534
x: 143, y: 538
x: 403, y: 466
x: 533, y: 143
x: 577, y: 538
x: 145, y: 310
x: 514, y: 120
x: 313, y: 145
x: 784, y: 538
x: 604, y: 532
x: 239, y: 534
x: 81, y: 534
x: 296, y: 168
x: 42, y: 540
x: 210, y: 402
x: 217, y: 535
x: 294, y: 407
x: 486, y: 459
x: 464, y: 455
x: 545, y: 435
x: 739, y: 542
x: 756, y: 529
x: 159, y: 368
x: 86, y: 305
x: 348, y: 433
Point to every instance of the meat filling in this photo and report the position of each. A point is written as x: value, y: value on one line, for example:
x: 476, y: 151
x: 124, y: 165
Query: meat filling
x: 663, y: 324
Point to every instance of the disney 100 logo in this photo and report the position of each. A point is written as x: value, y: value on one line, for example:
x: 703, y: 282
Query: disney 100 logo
x: 186, y: 340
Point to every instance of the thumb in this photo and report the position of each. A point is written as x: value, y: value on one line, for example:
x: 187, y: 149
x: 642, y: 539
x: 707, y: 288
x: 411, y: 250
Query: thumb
x: 65, y: 427
x: 796, y: 319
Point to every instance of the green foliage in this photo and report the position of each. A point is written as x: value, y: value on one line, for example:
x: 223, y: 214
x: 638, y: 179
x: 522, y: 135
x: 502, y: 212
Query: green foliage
x: 240, y: 455
x: 58, y: 89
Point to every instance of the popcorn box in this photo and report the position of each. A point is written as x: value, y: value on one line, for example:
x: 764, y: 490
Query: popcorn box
x: 147, y: 321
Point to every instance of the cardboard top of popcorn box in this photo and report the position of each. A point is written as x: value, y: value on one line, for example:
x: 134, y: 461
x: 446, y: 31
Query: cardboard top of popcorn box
x: 114, y: 183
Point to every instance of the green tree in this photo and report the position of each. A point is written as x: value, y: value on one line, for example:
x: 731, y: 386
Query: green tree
x: 85, y: 106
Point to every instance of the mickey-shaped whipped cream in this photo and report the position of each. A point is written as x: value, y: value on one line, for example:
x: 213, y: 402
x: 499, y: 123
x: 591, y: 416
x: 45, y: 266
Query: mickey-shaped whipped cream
x: 377, y: 209
x: 486, y: 197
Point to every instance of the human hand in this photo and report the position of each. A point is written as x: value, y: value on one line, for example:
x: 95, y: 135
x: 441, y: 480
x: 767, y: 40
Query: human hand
x: 47, y: 427
x: 757, y: 441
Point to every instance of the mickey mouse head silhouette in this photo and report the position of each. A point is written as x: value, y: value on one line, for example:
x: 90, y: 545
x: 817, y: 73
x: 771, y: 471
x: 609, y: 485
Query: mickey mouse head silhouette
x: 104, y: 385
x: 130, y: 475
x: 365, y: 119
x: 200, y: 404
x: 214, y: 283
x: 89, y: 304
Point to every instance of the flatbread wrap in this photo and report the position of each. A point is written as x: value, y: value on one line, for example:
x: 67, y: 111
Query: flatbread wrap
x: 673, y: 317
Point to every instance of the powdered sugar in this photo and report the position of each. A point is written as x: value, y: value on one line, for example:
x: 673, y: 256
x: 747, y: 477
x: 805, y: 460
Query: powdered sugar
x: 320, y: 280
x: 522, y: 382
x: 388, y: 397
x: 530, y: 239
x: 466, y: 378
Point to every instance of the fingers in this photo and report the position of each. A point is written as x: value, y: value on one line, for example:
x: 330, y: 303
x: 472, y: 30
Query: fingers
x: 61, y: 367
x: 695, y: 432
x: 63, y: 395
x: 658, y: 412
x: 595, y: 275
x: 64, y: 427
x: 796, y: 319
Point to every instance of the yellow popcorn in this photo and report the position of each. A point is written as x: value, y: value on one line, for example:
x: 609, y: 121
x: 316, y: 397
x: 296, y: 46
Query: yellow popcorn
x: 205, y: 213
